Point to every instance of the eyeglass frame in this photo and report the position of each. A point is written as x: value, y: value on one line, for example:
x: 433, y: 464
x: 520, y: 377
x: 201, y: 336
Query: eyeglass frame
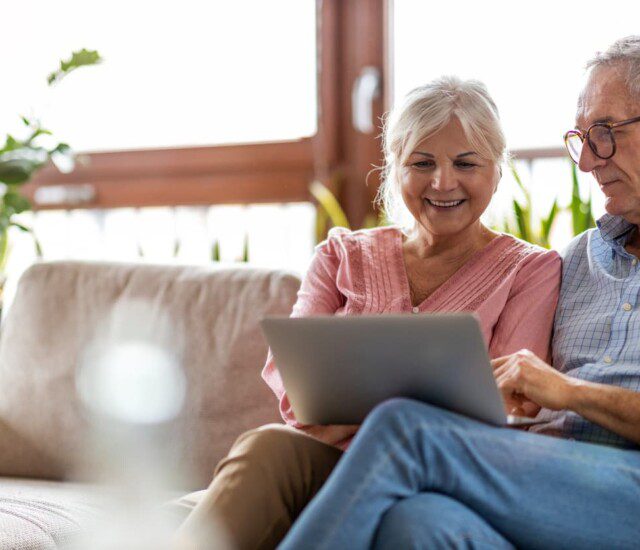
x: 585, y: 136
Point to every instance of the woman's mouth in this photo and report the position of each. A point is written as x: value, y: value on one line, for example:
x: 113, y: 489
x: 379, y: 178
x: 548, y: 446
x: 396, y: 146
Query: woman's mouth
x: 445, y: 204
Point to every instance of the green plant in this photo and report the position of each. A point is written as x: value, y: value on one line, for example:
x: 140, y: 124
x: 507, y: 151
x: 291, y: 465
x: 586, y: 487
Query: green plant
x: 330, y: 213
x: 526, y: 227
x: 581, y: 215
x: 20, y: 159
x: 244, y: 256
x: 538, y: 232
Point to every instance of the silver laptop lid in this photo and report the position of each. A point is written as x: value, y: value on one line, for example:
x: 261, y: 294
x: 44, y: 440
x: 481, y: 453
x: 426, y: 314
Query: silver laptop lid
x: 336, y: 369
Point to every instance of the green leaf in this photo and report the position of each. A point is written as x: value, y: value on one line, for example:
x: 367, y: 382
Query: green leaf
x: 78, y: 59
x: 62, y: 148
x: 516, y: 176
x: 522, y: 221
x: 215, y: 251
x: 506, y: 226
x: 328, y: 201
x: 21, y: 227
x: 547, y: 223
x: 245, y: 249
x: 4, y: 250
x: 31, y: 232
x: 11, y: 144
x: 322, y: 223
x: 37, y: 132
x: 17, y: 170
x: 581, y: 214
x: 15, y: 202
x: 577, y: 218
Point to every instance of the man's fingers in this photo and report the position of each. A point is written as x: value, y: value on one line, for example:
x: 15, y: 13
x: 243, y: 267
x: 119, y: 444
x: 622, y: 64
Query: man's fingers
x: 505, y: 366
x: 499, y: 361
x: 530, y: 408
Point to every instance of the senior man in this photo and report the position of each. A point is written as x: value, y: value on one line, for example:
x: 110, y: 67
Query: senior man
x: 421, y: 477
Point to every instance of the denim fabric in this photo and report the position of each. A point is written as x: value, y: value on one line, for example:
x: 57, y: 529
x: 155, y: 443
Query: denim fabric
x: 531, y: 490
x: 438, y: 519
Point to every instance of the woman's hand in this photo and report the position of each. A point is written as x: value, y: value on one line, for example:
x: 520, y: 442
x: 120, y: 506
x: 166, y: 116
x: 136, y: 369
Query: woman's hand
x: 528, y: 383
x: 333, y: 433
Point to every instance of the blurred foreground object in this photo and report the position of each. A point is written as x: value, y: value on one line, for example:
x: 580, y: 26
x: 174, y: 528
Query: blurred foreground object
x: 62, y: 307
x: 133, y: 387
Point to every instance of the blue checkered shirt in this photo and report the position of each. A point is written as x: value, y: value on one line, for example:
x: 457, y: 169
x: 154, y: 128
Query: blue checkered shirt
x: 597, y: 325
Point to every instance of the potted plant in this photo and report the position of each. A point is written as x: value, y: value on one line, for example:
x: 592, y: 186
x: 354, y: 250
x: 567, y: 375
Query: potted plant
x: 20, y: 159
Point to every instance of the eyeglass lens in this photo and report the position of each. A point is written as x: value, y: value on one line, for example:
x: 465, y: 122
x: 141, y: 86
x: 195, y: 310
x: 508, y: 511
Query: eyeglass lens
x: 574, y: 146
x: 600, y: 140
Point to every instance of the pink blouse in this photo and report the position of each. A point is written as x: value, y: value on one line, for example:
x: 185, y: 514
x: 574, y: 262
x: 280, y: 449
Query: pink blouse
x: 511, y: 285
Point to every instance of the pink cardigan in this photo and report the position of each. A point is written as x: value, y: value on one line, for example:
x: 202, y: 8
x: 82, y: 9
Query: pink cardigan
x: 511, y: 285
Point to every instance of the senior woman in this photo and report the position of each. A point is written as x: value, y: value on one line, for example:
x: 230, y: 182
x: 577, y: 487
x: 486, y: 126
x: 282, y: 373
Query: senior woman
x: 443, y: 147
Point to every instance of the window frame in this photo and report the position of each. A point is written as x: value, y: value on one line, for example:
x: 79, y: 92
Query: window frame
x: 348, y: 39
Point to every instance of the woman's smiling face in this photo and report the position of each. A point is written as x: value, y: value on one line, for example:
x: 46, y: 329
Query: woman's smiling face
x: 445, y: 183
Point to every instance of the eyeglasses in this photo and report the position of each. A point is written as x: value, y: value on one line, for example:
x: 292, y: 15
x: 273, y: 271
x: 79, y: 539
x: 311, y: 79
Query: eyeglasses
x: 599, y: 136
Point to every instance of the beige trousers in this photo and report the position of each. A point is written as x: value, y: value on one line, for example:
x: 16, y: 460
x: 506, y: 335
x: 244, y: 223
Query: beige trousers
x: 263, y: 484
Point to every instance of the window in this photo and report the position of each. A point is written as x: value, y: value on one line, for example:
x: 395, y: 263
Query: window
x: 175, y: 74
x: 531, y: 58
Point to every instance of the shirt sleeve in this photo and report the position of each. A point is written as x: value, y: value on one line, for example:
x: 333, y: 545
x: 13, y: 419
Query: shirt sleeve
x: 318, y: 295
x: 526, y: 322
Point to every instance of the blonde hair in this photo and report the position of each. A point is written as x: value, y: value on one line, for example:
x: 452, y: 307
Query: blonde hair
x: 425, y: 111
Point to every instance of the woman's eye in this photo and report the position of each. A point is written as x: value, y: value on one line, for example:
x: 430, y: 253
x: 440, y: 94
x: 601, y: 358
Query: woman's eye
x: 465, y: 164
x: 423, y: 164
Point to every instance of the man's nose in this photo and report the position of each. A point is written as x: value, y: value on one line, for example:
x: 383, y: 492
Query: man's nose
x: 588, y: 161
x: 444, y: 179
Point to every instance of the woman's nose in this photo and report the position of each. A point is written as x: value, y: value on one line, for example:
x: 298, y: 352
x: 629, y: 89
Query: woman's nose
x: 444, y: 180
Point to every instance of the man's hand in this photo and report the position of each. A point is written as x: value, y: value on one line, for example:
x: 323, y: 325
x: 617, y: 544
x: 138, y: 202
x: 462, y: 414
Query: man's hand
x: 332, y: 434
x: 528, y: 383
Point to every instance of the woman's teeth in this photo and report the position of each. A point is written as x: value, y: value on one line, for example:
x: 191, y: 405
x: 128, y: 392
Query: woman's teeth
x: 445, y: 204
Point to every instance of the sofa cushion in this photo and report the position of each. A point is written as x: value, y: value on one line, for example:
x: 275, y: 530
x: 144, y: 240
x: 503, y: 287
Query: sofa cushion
x: 60, y: 305
x: 38, y: 514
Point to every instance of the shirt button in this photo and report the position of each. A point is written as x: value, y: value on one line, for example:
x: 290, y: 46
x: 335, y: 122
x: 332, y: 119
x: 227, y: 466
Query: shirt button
x: 415, y: 310
x: 634, y: 261
x: 608, y: 359
x: 627, y: 306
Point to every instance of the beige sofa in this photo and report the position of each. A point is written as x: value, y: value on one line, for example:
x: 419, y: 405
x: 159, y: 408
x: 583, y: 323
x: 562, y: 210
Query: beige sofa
x: 43, y: 426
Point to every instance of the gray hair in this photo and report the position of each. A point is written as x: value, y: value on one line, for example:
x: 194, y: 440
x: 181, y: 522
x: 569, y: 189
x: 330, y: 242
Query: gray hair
x: 425, y: 111
x: 625, y: 52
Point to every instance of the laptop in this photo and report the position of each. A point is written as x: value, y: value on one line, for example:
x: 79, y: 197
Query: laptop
x: 336, y: 369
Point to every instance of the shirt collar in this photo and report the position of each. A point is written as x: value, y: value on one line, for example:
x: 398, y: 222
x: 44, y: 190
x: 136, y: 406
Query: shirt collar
x: 612, y: 228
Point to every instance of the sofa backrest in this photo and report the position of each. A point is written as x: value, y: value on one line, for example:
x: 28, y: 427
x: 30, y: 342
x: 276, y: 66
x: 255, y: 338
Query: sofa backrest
x: 57, y: 309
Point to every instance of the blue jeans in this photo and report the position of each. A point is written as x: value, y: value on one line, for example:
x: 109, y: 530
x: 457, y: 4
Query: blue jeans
x: 417, y: 476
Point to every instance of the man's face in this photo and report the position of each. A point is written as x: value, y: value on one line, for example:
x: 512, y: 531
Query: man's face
x: 606, y: 99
